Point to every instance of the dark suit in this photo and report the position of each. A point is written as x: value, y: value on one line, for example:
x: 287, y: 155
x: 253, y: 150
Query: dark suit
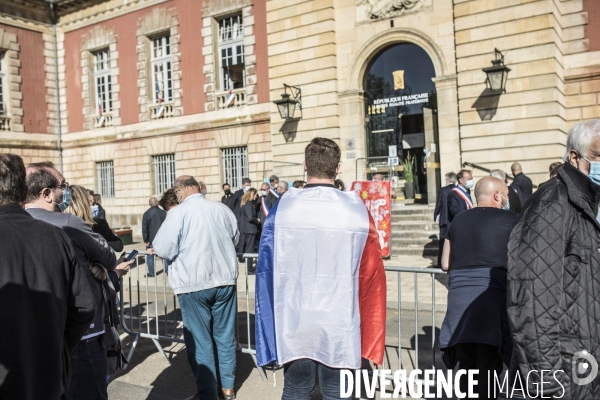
x: 271, y: 199
x: 249, y: 226
x: 456, y: 205
x: 441, y: 211
x: 515, y: 201
x: 524, y: 187
x: 234, y: 205
x: 225, y: 199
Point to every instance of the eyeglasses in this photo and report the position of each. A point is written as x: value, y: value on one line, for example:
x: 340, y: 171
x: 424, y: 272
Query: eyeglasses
x: 59, y: 187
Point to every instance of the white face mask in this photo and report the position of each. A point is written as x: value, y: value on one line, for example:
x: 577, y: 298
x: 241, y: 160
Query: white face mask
x: 469, y: 184
x: 263, y: 192
x: 245, y: 188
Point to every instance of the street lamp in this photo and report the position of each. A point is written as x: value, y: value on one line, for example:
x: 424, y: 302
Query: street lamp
x: 497, y: 74
x: 287, y: 105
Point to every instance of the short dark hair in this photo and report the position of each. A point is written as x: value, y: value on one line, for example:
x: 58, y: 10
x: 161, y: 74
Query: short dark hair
x: 340, y: 184
x: 168, y: 199
x: 461, y: 174
x: 273, y: 178
x: 37, y: 180
x: 246, y: 180
x: 12, y: 179
x: 97, y: 197
x: 298, y: 184
x: 186, y: 181
x: 322, y: 157
x: 225, y: 184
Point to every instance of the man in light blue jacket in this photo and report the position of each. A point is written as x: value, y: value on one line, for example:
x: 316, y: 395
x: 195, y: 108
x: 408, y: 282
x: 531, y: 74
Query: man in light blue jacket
x: 198, y: 238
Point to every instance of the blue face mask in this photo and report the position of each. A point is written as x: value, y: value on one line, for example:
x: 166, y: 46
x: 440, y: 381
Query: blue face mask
x: 507, y: 206
x: 469, y: 184
x: 594, y: 174
x: 66, y: 201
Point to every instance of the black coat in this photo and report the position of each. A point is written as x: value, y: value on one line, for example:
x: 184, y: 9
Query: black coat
x: 249, y: 221
x: 235, y: 204
x: 441, y: 205
x: 554, y: 283
x: 47, y: 305
x: 524, y: 186
x: 225, y: 199
x: 456, y: 205
x: 151, y: 223
x: 101, y: 213
x: 103, y: 229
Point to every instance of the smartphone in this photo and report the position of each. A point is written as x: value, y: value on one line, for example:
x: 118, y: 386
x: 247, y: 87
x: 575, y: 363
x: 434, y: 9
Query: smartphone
x: 131, y: 255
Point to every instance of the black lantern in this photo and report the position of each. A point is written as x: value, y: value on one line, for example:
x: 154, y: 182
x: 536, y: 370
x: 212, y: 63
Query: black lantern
x: 287, y: 105
x: 497, y: 74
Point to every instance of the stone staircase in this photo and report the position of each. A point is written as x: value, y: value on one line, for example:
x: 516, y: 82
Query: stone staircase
x: 414, y: 232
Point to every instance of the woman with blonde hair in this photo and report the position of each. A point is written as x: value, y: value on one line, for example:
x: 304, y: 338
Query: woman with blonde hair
x: 250, y: 221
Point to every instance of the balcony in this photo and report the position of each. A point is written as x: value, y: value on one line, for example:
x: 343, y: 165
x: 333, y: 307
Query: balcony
x: 108, y: 121
x: 166, y: 112
x: 4, y: 123
x: 239, y: 101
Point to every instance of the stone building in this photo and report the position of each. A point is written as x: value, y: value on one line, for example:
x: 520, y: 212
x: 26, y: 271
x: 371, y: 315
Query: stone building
x: 124, y: 95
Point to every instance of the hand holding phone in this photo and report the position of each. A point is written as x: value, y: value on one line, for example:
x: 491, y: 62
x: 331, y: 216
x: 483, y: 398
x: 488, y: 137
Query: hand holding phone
x: 131, y: 255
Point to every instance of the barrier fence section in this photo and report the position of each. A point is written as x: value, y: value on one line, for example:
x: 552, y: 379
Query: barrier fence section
x: 149, y: 310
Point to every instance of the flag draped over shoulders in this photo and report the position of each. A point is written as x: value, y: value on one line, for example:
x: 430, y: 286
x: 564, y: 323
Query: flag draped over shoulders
x: 320, y: 282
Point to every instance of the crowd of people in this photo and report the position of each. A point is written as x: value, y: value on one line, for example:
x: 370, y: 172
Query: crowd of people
x: 523, y: 276
x: 523, y: 273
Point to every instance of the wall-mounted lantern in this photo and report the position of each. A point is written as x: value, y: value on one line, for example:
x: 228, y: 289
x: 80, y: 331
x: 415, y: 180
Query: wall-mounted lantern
x: 497, y: 74
x: 287, y: 104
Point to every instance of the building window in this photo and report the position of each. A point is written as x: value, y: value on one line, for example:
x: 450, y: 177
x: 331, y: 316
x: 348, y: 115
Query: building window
x: 106, y: 178
x: 2, y: 85
x: 235, y: 165
x: 231, y: 53
x: 164, y: 172
x: 161, y: 69
x: 103, y: 88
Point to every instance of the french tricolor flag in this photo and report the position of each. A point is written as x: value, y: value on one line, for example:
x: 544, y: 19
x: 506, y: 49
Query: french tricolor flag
x: 159, y: 97
x: 100, y: 116
x: 320, y: 281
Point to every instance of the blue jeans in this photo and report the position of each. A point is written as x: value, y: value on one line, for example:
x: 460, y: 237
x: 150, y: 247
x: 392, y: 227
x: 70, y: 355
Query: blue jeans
x: 209, y: 324
x: 150, y: 262
x: 300, y: 377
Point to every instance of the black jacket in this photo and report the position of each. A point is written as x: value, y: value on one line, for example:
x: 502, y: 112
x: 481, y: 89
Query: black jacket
x: 225, y: 199
x: 249, y: 221
x: 441, y: 205
x: 103, y: 229
x: 456, y: 205
x: 101, y: 213
x: 524, y: 186
x: 554, y: 283
x: 47, y: 305
x: 234, y: 204
x: 151, y: 222
x: 271, y: 199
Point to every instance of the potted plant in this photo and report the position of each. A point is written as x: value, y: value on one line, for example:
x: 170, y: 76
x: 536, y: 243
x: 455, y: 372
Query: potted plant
x: 409, y: 185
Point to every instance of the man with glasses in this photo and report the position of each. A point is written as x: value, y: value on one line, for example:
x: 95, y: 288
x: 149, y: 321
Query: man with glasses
x: 46, y: 301
x: 48, y: 197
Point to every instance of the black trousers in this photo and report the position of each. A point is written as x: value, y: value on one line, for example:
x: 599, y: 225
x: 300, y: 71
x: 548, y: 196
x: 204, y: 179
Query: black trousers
x: 443, y: 233
x: 249, y: 243
x: 88, y: 366
x: 484, y: 358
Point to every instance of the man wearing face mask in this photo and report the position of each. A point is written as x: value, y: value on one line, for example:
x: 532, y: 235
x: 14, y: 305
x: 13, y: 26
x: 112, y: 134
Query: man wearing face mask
x: 459, y: 198
x: 235, y: 206
x: 48, y: 197
x: 553, y: 274
x: 227, y: 195
x: 475, y: 331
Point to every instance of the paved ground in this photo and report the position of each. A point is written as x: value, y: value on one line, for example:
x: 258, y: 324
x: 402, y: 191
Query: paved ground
x: 149, y: 376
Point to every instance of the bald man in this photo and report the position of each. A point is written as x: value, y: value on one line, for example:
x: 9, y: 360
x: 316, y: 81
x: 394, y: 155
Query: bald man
x: 475, y: 331
x: 521, y: 183
x: 151, y: 222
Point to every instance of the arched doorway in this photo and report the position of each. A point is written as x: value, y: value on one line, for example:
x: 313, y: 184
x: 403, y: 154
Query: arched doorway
x: 401, y: 111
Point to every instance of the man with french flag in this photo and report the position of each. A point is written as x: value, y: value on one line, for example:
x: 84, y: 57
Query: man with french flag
x: 320, y: 282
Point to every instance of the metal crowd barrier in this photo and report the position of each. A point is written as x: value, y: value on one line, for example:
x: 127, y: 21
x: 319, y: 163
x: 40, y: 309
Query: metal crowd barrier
x: 166, y: 324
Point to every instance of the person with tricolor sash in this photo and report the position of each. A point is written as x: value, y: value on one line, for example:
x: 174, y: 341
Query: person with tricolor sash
x: 459, y: 198
x: 320, y: 282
